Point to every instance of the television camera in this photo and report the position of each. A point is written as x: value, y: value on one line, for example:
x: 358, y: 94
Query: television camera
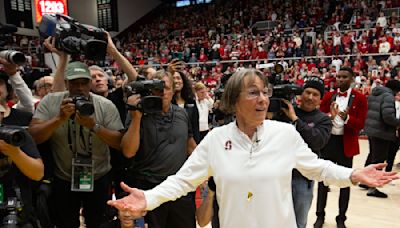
x: 281, y: 90
x: 73, y: 37
x: 148, y: 102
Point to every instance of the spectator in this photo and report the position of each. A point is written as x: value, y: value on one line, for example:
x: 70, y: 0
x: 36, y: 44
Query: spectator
x: 204, y: 104
x: 384, y: 46
x: 348, y: 110
x: 185, y: 98
x: 380, y: 126
x: 394, y: 147
x: 337, y: 63
x: 381, y: 20
x: 394, y: 59
x: 208, y: 210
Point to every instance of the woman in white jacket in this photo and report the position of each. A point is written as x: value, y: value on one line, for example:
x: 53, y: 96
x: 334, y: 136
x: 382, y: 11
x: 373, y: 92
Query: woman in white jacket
x: 251, y: 160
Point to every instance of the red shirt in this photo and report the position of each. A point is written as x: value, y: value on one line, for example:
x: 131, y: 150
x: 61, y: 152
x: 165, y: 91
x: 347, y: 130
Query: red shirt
x: 328, y: 48
x: 363, y: 48
x: 373, y: 49
x: 203, y: 57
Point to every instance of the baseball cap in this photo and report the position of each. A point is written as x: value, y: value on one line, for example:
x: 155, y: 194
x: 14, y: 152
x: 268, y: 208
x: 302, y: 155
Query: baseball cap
x: 77, y: 70
x: 316, y: 83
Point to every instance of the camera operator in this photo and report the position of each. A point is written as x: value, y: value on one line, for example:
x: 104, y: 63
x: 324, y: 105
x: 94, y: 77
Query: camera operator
x: 24, y: 94
x: 80, y: 127
x: 314, y: 127
x: 160, y: 143
x: 100, y: 79
x: 17, y: 163
x: 100, y: 86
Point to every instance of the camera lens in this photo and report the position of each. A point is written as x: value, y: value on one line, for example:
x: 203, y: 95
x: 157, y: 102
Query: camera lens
x: 13, y: 136
x: 85, y: 108
x: 15, y: 57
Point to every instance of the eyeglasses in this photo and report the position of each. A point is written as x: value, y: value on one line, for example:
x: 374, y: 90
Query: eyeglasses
x: 255, y: 93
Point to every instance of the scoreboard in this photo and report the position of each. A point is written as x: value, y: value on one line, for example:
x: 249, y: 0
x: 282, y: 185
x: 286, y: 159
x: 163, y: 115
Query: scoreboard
x: 50, y: 6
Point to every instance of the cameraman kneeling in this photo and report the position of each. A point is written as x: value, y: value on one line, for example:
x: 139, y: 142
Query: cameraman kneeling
x: 18, y: 162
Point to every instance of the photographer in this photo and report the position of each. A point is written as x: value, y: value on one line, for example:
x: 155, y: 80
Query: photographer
x: 24, y: 94
x: 80, y: 127
x: 160, y: 143
x: 17, y: 163
x: 314, y: 127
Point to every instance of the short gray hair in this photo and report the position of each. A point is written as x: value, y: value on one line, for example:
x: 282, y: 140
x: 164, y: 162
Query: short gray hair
x: 234, y: 87
x: 95, y: 67
x: 162, y: 73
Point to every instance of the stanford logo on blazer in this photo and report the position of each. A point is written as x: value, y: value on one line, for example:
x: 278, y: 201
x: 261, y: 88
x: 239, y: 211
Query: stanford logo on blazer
x: 228, y: 145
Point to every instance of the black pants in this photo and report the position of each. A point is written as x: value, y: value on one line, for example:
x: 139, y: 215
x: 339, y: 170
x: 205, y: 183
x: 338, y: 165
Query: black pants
x: 66, y: 204
x: 394, y: 147
x: 174, y: 214
x: 378, y: 150
x: 334, y: 151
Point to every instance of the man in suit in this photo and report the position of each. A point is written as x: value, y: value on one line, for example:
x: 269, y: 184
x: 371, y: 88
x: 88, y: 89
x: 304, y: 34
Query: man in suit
x: 348, y: 110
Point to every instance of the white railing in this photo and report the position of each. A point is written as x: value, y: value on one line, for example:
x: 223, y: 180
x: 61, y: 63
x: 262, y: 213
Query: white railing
x: 261, y: 61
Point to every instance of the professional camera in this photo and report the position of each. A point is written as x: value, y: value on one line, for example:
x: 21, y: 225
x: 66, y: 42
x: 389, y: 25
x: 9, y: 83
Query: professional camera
x: 73, y: 37
x: 9, y: 212
x: 83, y: 105
x: 281, y: 90
x: 148, y: 103
x: 11, y: 56
x: 13, y: 135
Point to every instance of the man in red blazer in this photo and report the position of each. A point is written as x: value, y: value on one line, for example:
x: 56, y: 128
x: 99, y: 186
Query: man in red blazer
x: 348, y: 110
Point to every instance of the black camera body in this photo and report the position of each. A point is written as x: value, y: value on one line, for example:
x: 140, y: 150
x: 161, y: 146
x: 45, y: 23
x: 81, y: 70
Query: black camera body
x: 13, y: 135
x: 83, y: 105
x: 9, y: 211
x: 148, y: 102
x: 73, y: 37
x: 280, y: 92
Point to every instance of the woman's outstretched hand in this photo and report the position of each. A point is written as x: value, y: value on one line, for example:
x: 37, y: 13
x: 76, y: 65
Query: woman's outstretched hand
x: 134, y: 203
x: 373, y: 175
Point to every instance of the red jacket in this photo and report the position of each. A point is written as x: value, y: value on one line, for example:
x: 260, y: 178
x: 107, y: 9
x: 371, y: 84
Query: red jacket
x: 357, y: 115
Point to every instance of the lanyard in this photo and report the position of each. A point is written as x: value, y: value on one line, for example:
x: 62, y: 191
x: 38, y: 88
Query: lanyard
x: 72, y: 134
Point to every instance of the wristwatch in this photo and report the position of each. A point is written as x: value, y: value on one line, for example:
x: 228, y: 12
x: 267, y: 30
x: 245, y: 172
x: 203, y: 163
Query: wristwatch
x: 96, y: 128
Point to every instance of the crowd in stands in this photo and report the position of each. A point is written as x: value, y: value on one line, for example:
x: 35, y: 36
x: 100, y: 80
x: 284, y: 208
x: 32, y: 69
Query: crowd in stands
x: 307, y: 39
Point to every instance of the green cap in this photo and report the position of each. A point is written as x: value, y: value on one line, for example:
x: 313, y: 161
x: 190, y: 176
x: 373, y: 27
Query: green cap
x: 77, y: 70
